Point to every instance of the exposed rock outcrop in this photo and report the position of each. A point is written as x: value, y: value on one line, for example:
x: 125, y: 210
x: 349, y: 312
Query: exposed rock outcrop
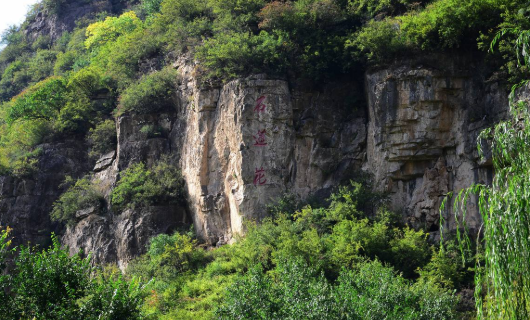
x: 243, y: 144
x: 26, y: 202
x: 424, y: 121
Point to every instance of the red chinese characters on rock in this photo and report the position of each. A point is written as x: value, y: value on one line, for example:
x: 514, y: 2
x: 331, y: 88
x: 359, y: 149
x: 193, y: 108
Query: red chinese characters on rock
x: 260, y: 139
x: 260, y: 106
x: 259, y: 177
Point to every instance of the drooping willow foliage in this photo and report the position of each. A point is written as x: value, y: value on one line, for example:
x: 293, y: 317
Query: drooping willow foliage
x: 503, y: 282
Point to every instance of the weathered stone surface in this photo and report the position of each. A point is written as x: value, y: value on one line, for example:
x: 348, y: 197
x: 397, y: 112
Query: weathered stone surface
x: 25, y: 202
x: 118, y: 238
x: 220, y: 157
x: 424, y: 121
x: 105, y: 161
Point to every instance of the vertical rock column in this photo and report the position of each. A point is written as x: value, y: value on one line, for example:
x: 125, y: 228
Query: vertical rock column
x: 236, y: 154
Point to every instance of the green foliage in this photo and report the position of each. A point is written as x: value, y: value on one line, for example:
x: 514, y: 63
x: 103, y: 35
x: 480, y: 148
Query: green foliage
x: 102, y: 138
x: 42, y: 101
x: 151, y: 6
x: 83, y: 194
x: 373, y: 8
x: 16, y: 45
x: 14, y: 79
x: 152, y: 93
x: 169, y: 256
x: 442, y: 24
x: 51, y: 284
x: 140, y: 187
x: 376, y: 292
x: 318, y: 263
x: 446, y: 267
x: 113, y: 299
x: 48, y: 283
x: 505, y: 274
x: 230, y: 54
x: 41, y: 65
x: 64, y: 63
x: 100, y: 33
x: 370, y: 292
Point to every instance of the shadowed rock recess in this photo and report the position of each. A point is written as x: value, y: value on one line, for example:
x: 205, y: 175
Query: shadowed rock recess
x: 412, y: 126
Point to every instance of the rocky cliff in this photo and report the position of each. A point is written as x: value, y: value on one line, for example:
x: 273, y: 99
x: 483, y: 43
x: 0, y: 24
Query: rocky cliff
x: 242, y: 144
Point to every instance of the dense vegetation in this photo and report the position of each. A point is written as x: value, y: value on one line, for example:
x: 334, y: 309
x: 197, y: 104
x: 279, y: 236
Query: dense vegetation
x: 329, y: 262
x: 311, y: 262
x: 51, y: 284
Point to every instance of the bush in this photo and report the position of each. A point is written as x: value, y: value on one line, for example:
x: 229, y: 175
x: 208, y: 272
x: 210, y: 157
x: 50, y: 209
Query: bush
x: 51, y: 284
x: 151, y: 6
x: 64, y: 63
x: 100, y: 33
x: 228, y: 55
x: 42, y: 101
x: 376, y: 292
x: 152, y: 93
x: 47, y: 284
x: 441, y: 25
x: 113, y: 299
x: 140, y: 187
x: 102, y: 138
x: 41, y: 65
x: 298, y: 292
x: 14, y: 79
x: 83, y: 194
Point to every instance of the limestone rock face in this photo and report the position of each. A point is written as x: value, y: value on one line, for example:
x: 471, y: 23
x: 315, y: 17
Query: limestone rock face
x: 422, y: 132
x: 118, y: 238
x: 236, y: 154
x: 246, y: 143
x: 26, y: 202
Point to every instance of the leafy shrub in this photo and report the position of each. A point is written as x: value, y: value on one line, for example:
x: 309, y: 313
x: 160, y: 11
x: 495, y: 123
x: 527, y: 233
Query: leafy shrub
x: 376, y: 292
x: 43, y: 42
x: 18, y: 141
x: 169, y: 256
x: 442, y: 24
x: 100, y: 33
x: 139, y: 186
x: 371, y: 8
x: 152, y: 93
x: 230, y: 54
x: 447, y: 268
x: 42, y: 101
x: 47, y: 284
x: 14, y: 79
x: 41, y: 65
x: 64, y: 63
x: 80, y: 195
x: 113, y: 299
x: 370, y: 292
x: 152, y: 131
x: 379, y: 41
x: 16, y: 45
x: 102, y: 138
x: 51, y: 284
x: 151, y: 6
